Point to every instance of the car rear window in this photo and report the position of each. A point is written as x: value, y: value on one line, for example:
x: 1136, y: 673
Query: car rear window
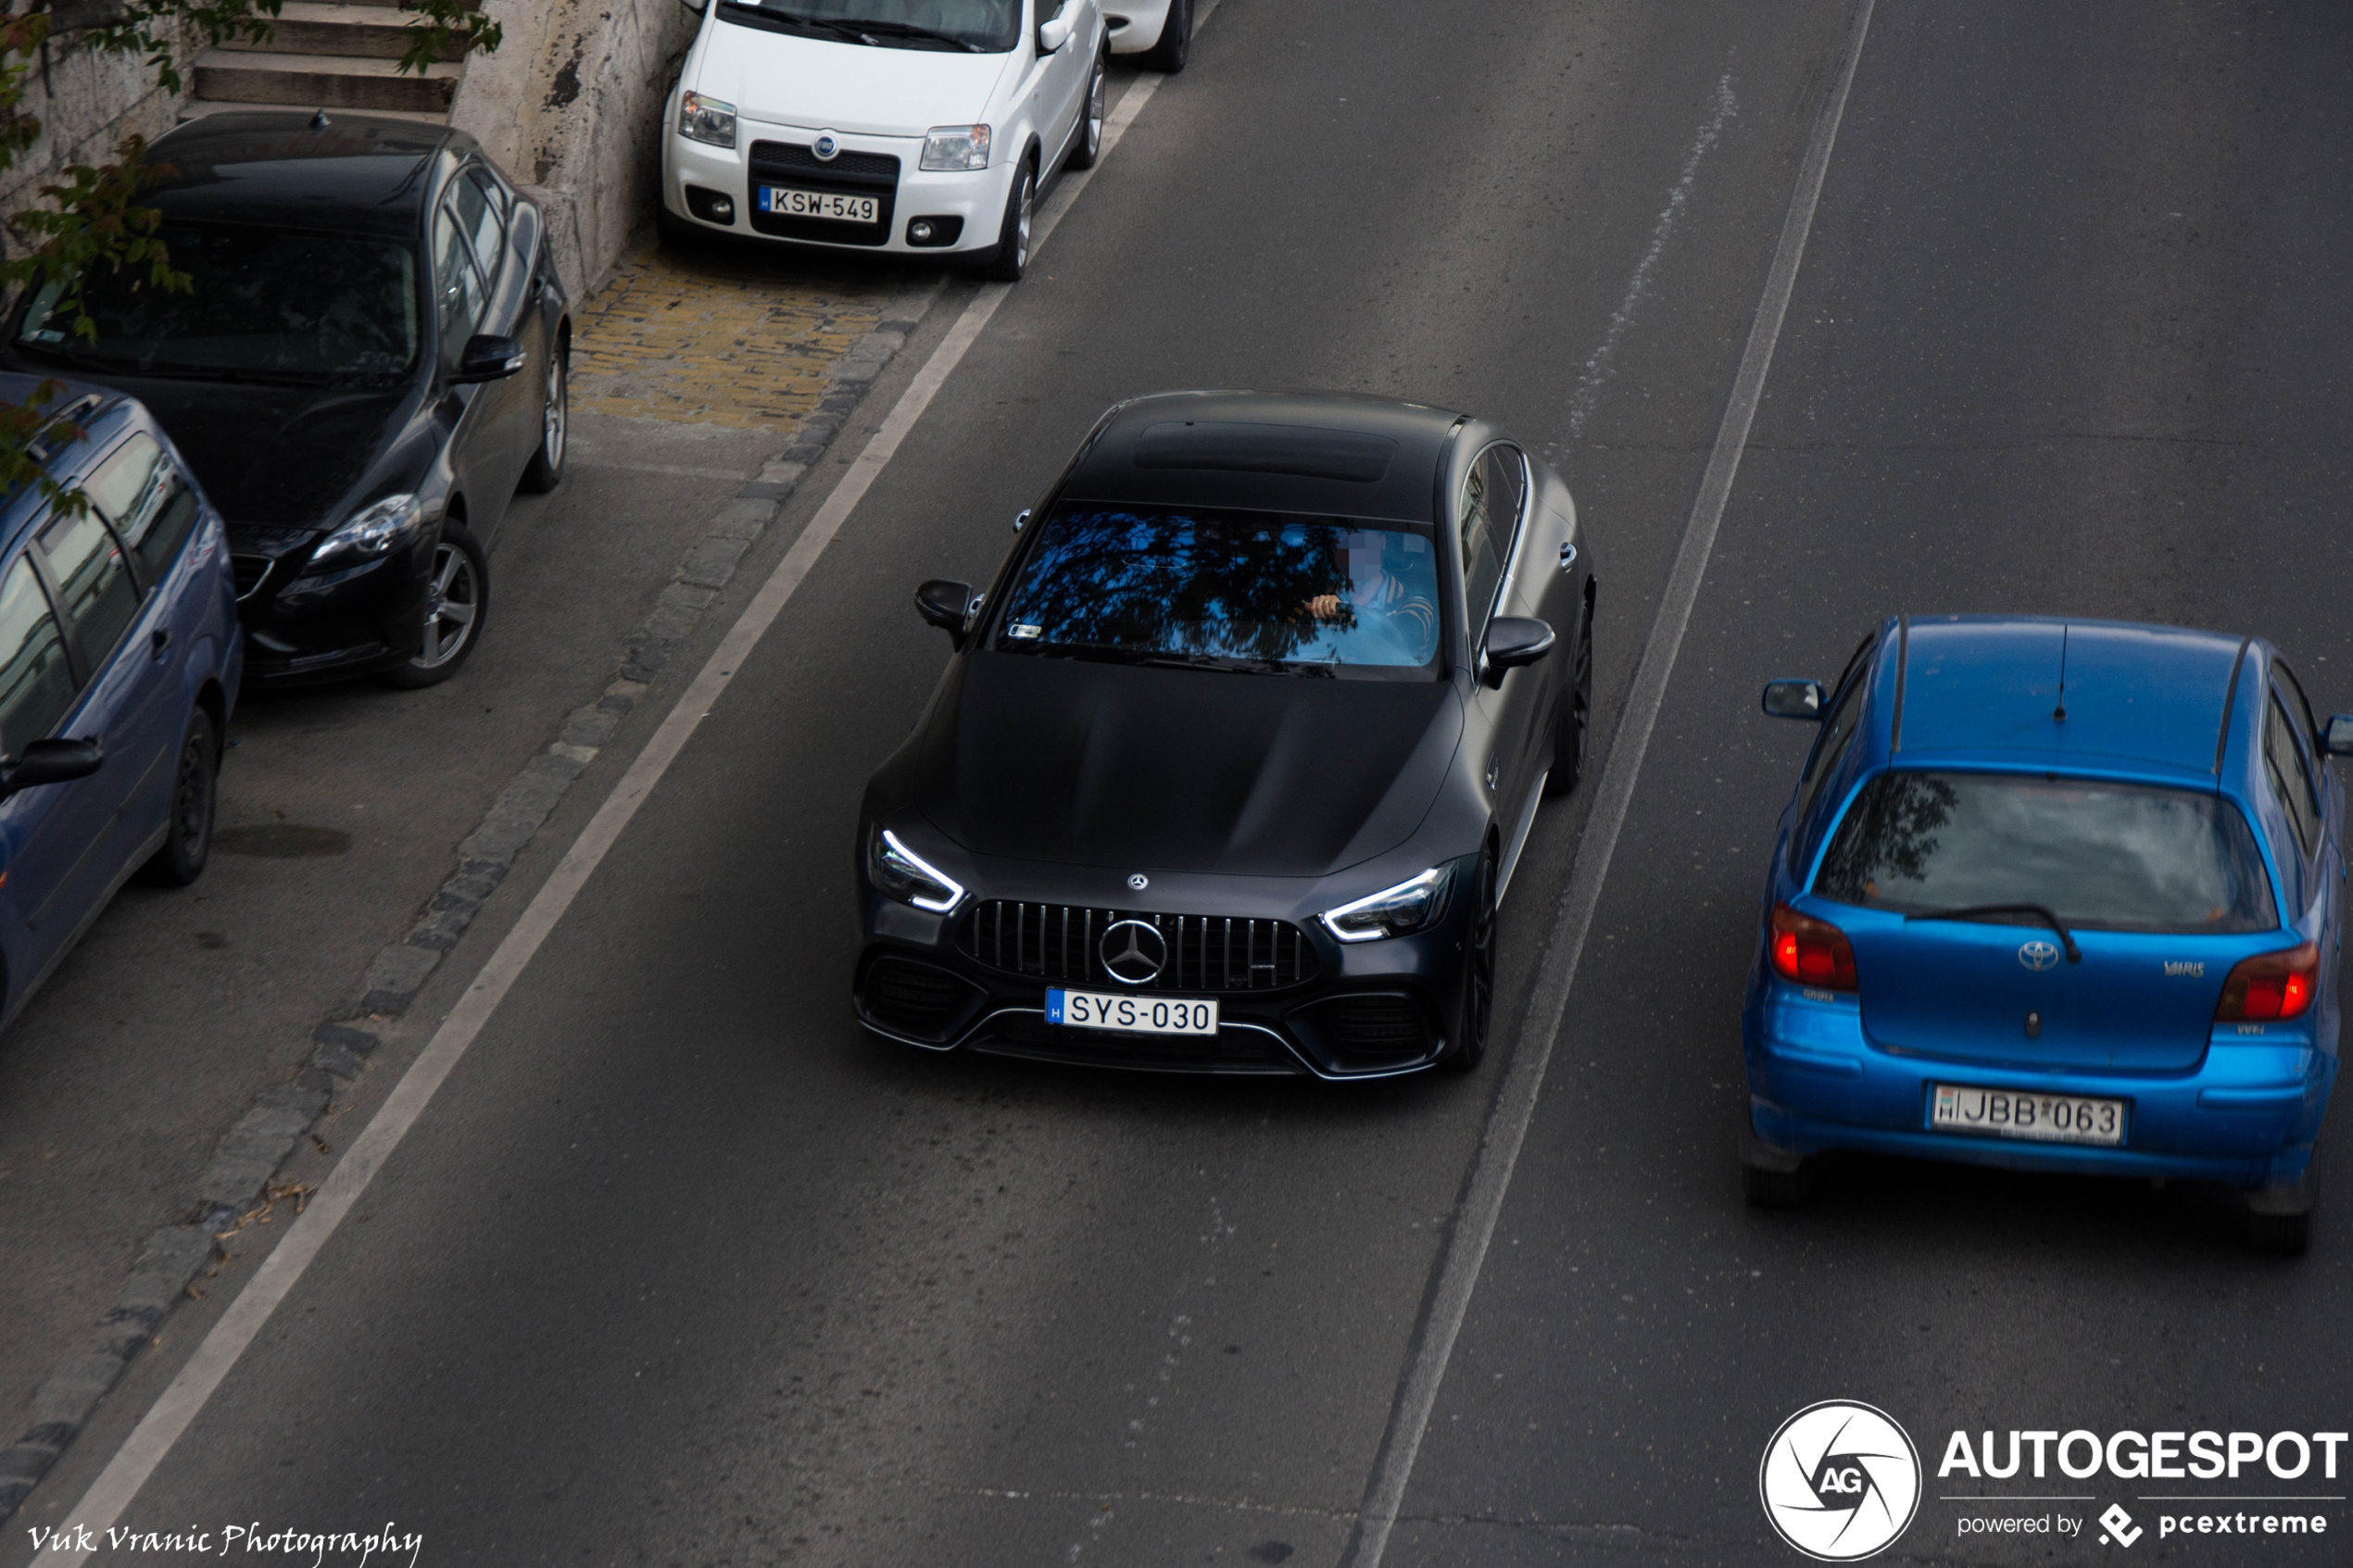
x: 1248, y: 590
x: 271, y: 304
x: 2113, y: 857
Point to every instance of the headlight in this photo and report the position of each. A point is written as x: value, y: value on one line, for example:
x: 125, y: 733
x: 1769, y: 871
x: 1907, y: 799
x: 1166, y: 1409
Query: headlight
x: 376, y: 528
x: 1393, y: 912
x: 706, y: 119
x: 955, y: 149
x: 902, y: 875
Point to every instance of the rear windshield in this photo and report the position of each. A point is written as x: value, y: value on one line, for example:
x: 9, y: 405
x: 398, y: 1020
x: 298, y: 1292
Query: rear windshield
x: 1264, y: 591
x: 2110, y: 857
x: 263, y: 304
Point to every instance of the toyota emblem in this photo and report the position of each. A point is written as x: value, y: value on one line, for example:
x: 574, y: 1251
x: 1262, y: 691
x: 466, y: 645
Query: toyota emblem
x: 828, y: 146
x: 2038, y: 955
x: 1133, y: 952
x: 1140, y: 881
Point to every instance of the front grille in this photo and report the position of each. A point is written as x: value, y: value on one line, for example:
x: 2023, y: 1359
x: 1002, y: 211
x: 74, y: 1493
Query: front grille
x: 1061, y: 943
x: 855, y: 174
x: 250, y: 573
x: 1375, y: 1025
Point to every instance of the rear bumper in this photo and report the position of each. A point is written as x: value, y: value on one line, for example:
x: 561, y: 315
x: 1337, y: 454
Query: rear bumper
x: 2246, y: 1116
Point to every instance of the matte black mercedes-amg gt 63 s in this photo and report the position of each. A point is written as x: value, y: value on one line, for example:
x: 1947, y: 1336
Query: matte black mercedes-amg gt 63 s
x: 1233, y: 760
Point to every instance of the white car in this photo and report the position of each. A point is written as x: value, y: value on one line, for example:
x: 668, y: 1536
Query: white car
x: 908, y: 125
x: 1160, y: 31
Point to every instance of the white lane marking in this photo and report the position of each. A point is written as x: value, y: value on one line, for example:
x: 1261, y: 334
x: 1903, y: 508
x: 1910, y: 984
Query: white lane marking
x: 1598, y: 367
x: 180, y: 1404
x: 1516, y: 1101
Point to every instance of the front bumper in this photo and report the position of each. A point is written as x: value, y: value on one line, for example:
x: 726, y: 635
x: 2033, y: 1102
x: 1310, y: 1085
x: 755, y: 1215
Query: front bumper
x: 327, y: 626
x: 1370, y: 1010
x: 966, y: 211
x: 2245, y: 1116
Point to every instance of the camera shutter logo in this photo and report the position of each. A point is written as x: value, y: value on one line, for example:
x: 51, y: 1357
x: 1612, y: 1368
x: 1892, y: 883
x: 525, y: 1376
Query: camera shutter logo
x: 1839, y: 1481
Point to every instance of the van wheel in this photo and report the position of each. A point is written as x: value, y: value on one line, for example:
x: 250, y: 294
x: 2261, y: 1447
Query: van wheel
x: 196, y: 794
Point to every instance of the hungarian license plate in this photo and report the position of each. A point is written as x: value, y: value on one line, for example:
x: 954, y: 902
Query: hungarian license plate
x: 2021, y: 1113
x: 1136, y: 1015
x: 788, y: 203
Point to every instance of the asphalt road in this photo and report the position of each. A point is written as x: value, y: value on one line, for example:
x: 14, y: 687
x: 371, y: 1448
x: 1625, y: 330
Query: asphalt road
x: 680, y: 1268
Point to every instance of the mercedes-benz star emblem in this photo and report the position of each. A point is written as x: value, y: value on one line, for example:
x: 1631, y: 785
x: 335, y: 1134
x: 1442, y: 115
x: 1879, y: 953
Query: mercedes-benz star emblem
x: 2038, y: 954
x: 1138, y: 880
x: 827, y: 147
x: 1133, y: 952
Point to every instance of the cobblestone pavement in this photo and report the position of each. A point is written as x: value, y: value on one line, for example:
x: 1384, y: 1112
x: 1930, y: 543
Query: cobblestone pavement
x: 710, y: 336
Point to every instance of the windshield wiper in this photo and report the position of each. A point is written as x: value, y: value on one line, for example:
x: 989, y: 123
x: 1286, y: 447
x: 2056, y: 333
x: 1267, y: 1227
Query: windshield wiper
x: 1969, y: 912
x: 909, y: 30
x: 870, y: 33
x: 1230, y: 664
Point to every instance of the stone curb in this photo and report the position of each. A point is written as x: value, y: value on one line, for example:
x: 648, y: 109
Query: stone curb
x: 238, y: 1176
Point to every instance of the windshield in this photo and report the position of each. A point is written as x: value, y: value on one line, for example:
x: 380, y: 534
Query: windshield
x: 271, y: 304
x: 2102, y: 855
x: 1258, y: 590
x: 989, y: 26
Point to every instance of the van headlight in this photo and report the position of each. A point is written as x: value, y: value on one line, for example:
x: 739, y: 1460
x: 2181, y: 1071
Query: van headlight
x: 898, y: 872
x: 1393, y: 912
x: 706, y: 119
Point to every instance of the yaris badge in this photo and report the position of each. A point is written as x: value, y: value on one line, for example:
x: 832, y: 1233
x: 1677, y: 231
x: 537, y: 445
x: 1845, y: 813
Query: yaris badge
x: 2038, y: 955
x: 1839, y: 1481
x: 826, y: 146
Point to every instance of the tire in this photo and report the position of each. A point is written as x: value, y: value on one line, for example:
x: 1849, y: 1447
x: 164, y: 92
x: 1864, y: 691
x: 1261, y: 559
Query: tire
x: 1776, y: 1189
x: 457, y: 603
x: 1176, y: 39
x: 195, y: 795
x: 1573, y: 729
x: 1011, y: 258
x: 1474, y: 1012
x: 1087, y: 149
x: 545, y: 469
x: 2288, y: 1235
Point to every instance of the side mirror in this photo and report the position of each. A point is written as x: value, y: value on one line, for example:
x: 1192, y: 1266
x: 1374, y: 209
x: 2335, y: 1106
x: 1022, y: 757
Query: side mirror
x: 1513, y: 641
x: 1796, y: 700
x: 51, y: 761
x: 2337, y: 735
x: 1021, y: 520
x: 946, y: 604
x: 1053, y: 33
x: 487, y: 358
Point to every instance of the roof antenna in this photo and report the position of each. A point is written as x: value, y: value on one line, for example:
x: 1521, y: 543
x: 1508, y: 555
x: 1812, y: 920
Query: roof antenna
x: 2058, y: 714
x: 319, y: 122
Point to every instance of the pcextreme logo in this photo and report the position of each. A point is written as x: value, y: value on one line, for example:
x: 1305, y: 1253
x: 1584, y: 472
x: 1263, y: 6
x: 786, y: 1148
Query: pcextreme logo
x: 1839, y: 1481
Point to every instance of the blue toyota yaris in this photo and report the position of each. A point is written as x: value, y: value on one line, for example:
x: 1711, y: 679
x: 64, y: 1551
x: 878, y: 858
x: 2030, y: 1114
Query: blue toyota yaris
x: 2060, y: 896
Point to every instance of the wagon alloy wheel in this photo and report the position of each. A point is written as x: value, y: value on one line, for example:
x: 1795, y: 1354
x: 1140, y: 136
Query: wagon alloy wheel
x: 187, y: 843
x: 1477, y: 1009
x: 547, y: 467
x: 456, y: 597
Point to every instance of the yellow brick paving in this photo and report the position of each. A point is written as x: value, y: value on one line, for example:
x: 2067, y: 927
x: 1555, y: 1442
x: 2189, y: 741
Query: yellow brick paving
x: 702, y: 339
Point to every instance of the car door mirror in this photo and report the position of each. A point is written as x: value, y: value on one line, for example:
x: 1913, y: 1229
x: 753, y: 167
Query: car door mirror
x: 487, y: 356
x: 1513, y: 641
x: 1796, y: 700
x: 1054, y: 32
x: 51, y: 761
x: 946, y: 604
x: 2336, y: 736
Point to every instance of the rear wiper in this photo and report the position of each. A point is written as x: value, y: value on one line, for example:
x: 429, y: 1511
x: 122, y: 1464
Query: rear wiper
x: 1968, y: 911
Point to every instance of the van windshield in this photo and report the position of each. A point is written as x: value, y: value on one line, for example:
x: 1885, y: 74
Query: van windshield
x: 2101, y: 855
x: 983, y: 26
x: 1227, y: 589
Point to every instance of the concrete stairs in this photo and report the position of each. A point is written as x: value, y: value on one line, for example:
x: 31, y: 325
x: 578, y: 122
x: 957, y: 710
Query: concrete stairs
x: 331, y: 54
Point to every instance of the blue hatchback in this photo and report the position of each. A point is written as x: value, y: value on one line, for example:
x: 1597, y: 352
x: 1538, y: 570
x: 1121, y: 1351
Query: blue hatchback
x: 2054, y: 894
x: 119, y: 656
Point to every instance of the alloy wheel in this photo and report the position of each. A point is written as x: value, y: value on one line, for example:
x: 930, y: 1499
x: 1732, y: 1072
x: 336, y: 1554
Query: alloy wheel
x: 553, y: 415
x: 452, y: 599
x: 1021, y: 223
x: 1096, y: 95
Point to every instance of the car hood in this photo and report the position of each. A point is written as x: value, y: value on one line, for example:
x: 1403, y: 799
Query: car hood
x: 1180, y: 770
x: 823, y: 85
x: 274, y: 456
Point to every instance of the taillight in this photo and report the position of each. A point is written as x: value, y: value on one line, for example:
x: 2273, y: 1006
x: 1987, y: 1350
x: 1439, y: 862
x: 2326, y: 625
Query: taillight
x: 2271, y: 985
x: 1811, y: 952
